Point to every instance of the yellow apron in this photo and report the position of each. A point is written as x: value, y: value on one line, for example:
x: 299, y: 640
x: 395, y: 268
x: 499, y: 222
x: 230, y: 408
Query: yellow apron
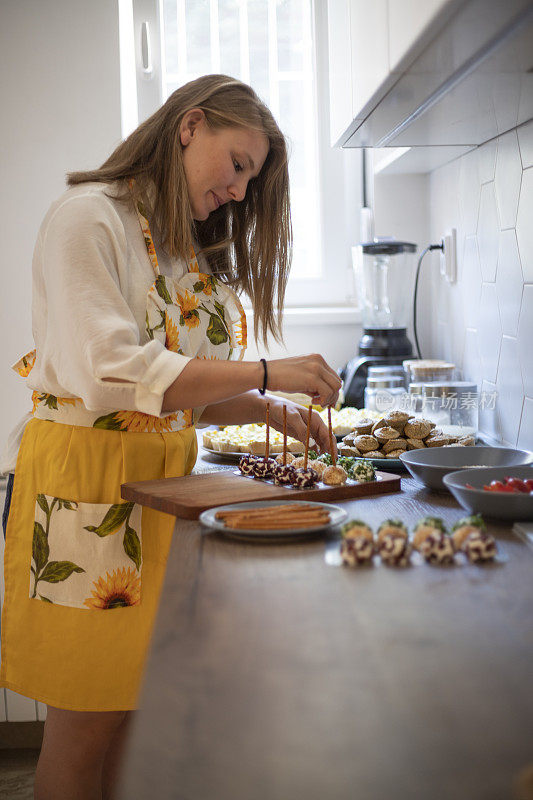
x: 83, y: 569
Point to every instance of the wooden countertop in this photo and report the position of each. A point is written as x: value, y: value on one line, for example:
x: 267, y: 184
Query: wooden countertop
x: 274, y: 676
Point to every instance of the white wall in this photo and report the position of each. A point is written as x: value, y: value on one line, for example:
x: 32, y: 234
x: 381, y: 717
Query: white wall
x: 60, y: 100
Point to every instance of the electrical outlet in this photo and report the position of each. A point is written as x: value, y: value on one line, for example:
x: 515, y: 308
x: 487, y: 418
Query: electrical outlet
x: 448, y: 257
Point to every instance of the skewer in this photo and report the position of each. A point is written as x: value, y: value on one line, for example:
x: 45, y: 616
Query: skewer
x: 284, y: 436
x: 267, y: 444
x: 331, y: 450
x: 309, y: 413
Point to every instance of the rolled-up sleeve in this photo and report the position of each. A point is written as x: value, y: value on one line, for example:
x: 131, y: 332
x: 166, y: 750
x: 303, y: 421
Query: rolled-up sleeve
x: 89, y: 342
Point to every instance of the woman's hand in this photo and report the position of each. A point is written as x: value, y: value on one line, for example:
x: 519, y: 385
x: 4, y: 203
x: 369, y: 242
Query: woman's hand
x: 306, y: 375
x: 297, y: 423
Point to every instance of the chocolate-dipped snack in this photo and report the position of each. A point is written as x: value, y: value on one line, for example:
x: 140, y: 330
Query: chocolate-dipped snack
x: 305, y: 478
x: 394, y: 551
x: 480, y: 547
x: 264, y: 468
x: 246, y: 464
x: 356, y: 552
x: 437, y: 548
x: 284, y: 475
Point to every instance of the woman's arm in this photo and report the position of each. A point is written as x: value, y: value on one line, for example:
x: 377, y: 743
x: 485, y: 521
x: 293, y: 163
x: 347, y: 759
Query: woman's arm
x: 205, y: 382
x: 251, y: 407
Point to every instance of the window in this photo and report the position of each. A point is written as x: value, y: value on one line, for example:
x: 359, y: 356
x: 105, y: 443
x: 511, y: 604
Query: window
x: 280, y: 48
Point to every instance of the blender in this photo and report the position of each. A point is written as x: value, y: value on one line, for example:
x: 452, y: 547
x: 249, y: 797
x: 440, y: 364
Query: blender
x: 383, y: 271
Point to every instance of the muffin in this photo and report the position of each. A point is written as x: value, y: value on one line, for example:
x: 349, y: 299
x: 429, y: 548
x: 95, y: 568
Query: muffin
x: 394, y: 444
x: 417, y: 428
x: 365, y: 443
x: 386, y: 433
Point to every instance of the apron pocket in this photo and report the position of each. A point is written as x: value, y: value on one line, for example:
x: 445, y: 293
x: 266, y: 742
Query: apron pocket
x: 86, y: 555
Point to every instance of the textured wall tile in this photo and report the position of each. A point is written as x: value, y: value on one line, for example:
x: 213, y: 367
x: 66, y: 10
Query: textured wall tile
x: 490, y: 331
x: 469, y: 190
x: 508, y: 177
x: 510, y: 390
x: 525, y: 141
x: 489, y: 418
x: 470, y: 281
x: 525, y: 340
x: 487, y: 232
x: 486, y: 159
x: 525, y: 436
x: 524, y: 225
x: 472, y: 369
x: 509, y: 282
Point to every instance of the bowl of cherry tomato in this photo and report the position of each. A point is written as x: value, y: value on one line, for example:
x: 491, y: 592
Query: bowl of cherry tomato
x: 498, y: 492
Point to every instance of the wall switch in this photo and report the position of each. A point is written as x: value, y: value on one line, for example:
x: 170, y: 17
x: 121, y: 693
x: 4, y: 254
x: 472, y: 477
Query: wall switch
x: 448, y: 258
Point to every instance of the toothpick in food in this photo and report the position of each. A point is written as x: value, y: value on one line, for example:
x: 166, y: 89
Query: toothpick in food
x: 331, y: 450
x: 284, y: 436
x: 309, y: 413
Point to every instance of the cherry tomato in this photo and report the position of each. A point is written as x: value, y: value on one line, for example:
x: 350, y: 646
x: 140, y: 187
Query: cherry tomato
x: 529, y: 484
x: 517, y: 484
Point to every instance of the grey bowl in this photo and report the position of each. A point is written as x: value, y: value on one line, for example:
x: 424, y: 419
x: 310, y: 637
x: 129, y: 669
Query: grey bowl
x: 498, y: 505
x: 430, y: 465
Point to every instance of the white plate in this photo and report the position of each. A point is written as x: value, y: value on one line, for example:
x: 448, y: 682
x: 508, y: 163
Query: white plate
x: 233, y: 456
x: 207, y: 518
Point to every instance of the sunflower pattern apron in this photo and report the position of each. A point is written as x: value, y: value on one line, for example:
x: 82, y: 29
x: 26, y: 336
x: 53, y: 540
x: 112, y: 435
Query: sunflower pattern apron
x: 83, y: 569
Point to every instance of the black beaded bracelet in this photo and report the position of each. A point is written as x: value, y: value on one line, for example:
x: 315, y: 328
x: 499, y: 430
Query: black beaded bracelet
x: 265, y: 377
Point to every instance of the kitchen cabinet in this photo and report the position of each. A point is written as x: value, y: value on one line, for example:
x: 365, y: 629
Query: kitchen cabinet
x: 426, y: 73
x: 366, y: 43
x: 406, y: 21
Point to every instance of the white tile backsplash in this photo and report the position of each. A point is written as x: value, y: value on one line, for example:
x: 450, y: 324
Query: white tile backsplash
x: 510, y: 390
x: 524, y: 223
x: 487, y: 232
x: 525, y: 141
x: 489, y: 312
x: 490, y: 331
x: 508, y: 178
x: 509, y: 282
x: 525, y: 339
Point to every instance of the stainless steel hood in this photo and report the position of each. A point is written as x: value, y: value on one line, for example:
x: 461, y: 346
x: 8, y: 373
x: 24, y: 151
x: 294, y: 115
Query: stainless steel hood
x: 469, y: 80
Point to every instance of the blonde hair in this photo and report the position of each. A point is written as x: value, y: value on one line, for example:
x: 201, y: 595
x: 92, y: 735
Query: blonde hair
x: 247, y: 243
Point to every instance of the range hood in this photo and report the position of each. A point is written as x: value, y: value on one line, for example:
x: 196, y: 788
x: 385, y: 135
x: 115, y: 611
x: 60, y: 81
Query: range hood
x: 467, y: 79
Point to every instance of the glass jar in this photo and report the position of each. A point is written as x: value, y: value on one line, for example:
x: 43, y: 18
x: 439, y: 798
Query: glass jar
x: 452, y: 406
x: 419, y: 370
x: 384, y: 393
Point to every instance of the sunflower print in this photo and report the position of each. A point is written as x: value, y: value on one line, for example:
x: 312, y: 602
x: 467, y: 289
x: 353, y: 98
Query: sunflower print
x: 193, y: 262
x: 119, y: 589
x: 189, y: 310
x: 172, y: 335
x: 51, y: 401
x: 135, y: 421
x: 25, y: 365
x: 241, y: 331
x: 205, y: 283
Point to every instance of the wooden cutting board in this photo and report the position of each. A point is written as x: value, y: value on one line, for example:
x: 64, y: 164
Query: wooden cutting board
x: 187, y: 497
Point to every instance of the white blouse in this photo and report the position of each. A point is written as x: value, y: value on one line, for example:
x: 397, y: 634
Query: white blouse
x: 91, y: 275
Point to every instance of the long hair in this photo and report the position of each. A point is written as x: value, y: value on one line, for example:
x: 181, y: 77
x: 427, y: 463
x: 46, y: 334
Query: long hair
x: 249, y: 243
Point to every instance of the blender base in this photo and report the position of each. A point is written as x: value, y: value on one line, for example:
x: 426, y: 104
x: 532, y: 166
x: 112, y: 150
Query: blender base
x: 377, y: 347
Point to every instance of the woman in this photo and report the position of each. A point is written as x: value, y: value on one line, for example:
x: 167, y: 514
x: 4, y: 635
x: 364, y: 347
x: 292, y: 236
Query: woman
x: 133, y: 345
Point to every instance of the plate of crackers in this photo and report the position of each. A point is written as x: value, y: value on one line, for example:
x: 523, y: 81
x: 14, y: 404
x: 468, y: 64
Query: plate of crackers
x: 273, y: 520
